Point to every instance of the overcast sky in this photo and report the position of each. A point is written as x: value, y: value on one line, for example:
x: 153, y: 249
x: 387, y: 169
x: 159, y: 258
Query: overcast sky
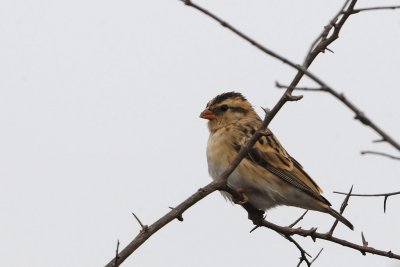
x: 99, y: 106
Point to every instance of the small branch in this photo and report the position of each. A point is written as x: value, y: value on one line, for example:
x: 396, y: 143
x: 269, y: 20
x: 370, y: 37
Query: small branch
x: 365, y: 152
x: 342, y: 208
x: 369, y: 195
x: 290, y: 97
x: 375, y: 8
x: 167, y: 218
x: 298, y: 220
x: 384, y: 195
x: 314, y: 89
x: 326, y: 236
x: 359, y: 115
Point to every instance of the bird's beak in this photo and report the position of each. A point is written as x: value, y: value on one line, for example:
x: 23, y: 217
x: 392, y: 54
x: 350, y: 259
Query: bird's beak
x: 207, y: 114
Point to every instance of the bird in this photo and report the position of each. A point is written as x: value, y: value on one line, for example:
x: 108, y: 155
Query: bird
x: 267, y: 176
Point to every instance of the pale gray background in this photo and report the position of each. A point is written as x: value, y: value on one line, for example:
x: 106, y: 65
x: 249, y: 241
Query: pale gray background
x: 99, y: 105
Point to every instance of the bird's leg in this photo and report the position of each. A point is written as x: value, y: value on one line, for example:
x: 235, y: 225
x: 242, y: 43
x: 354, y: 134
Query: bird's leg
x: 240, y: 198
x: 254, y: 214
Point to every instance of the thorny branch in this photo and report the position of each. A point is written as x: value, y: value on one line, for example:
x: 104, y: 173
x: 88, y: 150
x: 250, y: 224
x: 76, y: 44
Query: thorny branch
x: 384, y: 195
x: 221, y: 184
x: 327, y: 236
x: 359, y: 115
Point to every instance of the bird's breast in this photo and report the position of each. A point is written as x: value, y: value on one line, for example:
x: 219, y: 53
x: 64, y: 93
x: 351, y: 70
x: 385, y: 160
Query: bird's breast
x: 219, y: 154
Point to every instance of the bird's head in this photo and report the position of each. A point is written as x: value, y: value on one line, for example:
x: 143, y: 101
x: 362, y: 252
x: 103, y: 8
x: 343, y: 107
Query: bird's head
x: 226, y: 109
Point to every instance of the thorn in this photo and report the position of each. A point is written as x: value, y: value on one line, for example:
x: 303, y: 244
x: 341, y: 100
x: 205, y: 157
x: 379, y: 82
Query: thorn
x: 201, y: 190
x: 279, y: 85
x: 144, y: 227
x: 266, y: 110
x: 384, y: 203
x: 365, y: 243
x: 330, y: 50
x: 293, y: 97
x: 379, y: 140
x: 179, y: 216
x: 116, y: 254
x: 254, y: 228
x: 312, y: 232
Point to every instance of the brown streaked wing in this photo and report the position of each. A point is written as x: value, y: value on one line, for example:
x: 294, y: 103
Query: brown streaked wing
x: 278, y: 162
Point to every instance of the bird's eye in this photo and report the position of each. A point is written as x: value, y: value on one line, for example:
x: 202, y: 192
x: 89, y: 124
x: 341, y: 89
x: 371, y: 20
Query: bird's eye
x: 224, y: 108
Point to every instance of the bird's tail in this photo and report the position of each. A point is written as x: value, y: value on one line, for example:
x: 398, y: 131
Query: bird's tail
x: 339, y: 216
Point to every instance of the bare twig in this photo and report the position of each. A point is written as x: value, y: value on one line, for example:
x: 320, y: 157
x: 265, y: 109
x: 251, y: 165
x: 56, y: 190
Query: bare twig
x: 298, y: 220
x: 326, y: 236
x: 342, y: 208
x: 384, y: 195
x: 316, y: 257
x: 314, y: 89
x: 322, y: 42
x: 359, y: 115
x: 167, y: 218
x: 379, y: 153
x: 375, y: 8
x: 322, y: 37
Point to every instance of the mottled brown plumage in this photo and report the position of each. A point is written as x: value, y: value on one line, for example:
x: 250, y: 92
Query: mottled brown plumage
x: 268, y: 176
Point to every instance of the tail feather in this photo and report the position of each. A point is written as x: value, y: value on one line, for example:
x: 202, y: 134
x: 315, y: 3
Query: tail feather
x: 342, y: 219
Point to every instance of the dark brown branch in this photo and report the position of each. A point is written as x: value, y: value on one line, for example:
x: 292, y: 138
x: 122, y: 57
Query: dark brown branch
x: 375, y: 8
x: 379, y: 153
x: 167, y: 218
x: 314, y: 235
x: 384, y: 195
x: 302, y: 69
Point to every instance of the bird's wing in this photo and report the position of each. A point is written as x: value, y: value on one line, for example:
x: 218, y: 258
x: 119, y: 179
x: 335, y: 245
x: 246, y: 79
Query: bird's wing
x: 269, y: 154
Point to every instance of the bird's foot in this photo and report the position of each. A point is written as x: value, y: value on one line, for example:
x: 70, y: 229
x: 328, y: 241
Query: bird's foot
x: 254, y: 214
x: 240, y: 198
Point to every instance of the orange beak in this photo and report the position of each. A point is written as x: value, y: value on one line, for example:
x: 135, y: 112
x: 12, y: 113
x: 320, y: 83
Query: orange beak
x: 207, y: 114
